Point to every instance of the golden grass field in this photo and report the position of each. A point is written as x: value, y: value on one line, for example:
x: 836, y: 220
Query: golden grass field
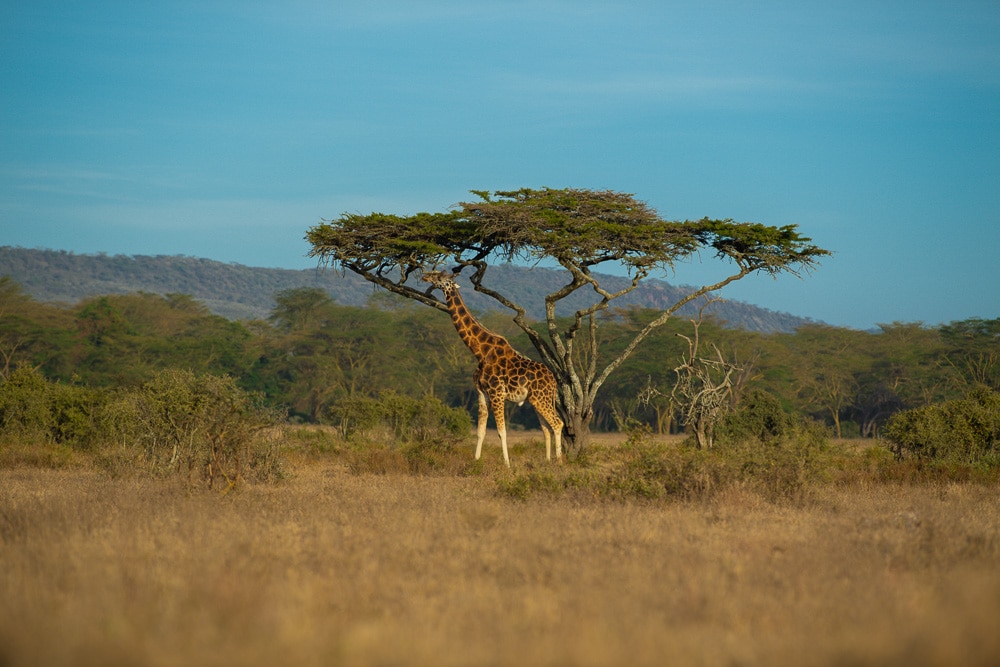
x: 332, y: 567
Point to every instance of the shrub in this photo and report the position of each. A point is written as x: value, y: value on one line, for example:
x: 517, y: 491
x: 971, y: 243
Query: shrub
x: 397, y: 433
x: 655, y: 470
x: 188, y: 424
x: 759, y: 418
x: 963, y: 431
x: 404, y: 419
x: 355, y: 415
x: 775, y: 452
x: 35, y: 409
x: 423, y: 420
x: 26, y: 404
x: 73, y: 411
x: 522, y: 486
x: 759, y: 448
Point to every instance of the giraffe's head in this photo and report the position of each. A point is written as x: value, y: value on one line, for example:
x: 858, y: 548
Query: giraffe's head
x: 443, y: 280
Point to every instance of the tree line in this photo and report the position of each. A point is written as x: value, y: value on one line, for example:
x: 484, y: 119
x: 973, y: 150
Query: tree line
x: 312, y: 357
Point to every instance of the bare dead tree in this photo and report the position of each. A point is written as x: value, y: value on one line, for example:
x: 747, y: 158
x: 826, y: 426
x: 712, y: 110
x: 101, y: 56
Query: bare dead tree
x: 705, y: 387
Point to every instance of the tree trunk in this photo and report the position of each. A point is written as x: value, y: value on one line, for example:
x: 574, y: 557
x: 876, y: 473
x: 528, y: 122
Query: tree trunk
x: 577, y: 433
x: 664, y: 419
x: 577, y: 413
x: 703, y: 433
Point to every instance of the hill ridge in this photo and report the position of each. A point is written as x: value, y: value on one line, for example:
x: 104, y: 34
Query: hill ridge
x: 237, y: 291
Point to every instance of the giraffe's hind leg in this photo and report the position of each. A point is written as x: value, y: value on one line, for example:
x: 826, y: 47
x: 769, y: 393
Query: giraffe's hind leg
x: 546, y: 429
x: 549, y: 419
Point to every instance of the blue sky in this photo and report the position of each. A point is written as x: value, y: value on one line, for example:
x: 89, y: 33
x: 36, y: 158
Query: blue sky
x: 226, y: 129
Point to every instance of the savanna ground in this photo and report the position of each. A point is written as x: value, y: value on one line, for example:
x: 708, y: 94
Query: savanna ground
x: 353, y: 561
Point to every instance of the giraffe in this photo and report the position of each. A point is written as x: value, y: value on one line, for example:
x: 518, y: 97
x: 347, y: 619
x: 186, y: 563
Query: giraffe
x: 503, y: 373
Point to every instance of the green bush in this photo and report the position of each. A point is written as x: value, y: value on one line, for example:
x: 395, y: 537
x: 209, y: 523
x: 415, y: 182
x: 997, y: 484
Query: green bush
x: 194, y: 425
x: 26, y: 404
x: 73, y: 411
x: 354, y: 416
x: 963, y: 431
x: 759, y: 418
x: 35, y: 409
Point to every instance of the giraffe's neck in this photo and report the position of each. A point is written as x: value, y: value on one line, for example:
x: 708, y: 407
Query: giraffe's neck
x: 477, y: 338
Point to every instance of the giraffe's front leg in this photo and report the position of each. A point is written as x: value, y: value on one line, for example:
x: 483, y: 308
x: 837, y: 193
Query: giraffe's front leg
x: 484, y: 413
x: 498, y: 405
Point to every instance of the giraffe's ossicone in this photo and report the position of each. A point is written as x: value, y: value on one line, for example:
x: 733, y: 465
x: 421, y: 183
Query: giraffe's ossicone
x: 503, y: 374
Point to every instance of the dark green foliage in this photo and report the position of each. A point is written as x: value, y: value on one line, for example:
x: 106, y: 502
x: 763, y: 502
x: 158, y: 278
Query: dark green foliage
x: 397, y: 433
x: 124, y: 339
x: 649, y: 469
x: 300, y: 309
x: 73, y: 410
x: 354, y: 416
x: 974, y: 328
x: 101, y: 322
x: 760, y: 419
x: 963, y: 431
x: 346, y: 352
x: 778, y: 451
x: 34, y: 334
x: 25, y: 404
x: 35, y: 409
x: 543, y: 481
x: 576, y: 227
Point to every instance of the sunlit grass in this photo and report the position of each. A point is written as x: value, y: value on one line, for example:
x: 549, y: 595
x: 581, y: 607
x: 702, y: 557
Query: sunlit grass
x: 415, y: 565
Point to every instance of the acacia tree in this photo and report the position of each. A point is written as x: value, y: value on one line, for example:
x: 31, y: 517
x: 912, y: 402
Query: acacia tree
x: 581, y: 230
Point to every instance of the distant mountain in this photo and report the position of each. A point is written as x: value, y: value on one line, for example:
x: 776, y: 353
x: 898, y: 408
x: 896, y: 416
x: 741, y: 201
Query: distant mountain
x: 244, y: 292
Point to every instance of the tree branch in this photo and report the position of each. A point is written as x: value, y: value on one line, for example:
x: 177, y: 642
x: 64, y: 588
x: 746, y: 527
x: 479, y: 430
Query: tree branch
x: 662, y: 319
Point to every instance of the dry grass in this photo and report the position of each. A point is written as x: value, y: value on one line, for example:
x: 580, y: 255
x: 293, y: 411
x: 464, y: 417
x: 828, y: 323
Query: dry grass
x: 334, y: 568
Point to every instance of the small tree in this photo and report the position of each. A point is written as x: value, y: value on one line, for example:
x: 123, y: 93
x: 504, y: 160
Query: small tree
x: 581, y: 230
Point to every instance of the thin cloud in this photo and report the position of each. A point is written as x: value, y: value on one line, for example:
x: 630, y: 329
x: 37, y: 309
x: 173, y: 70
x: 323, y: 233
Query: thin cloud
x: 68, y: 181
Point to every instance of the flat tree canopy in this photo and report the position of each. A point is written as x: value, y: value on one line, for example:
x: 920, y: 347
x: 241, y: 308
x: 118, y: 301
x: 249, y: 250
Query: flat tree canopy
x: 579, y: 229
